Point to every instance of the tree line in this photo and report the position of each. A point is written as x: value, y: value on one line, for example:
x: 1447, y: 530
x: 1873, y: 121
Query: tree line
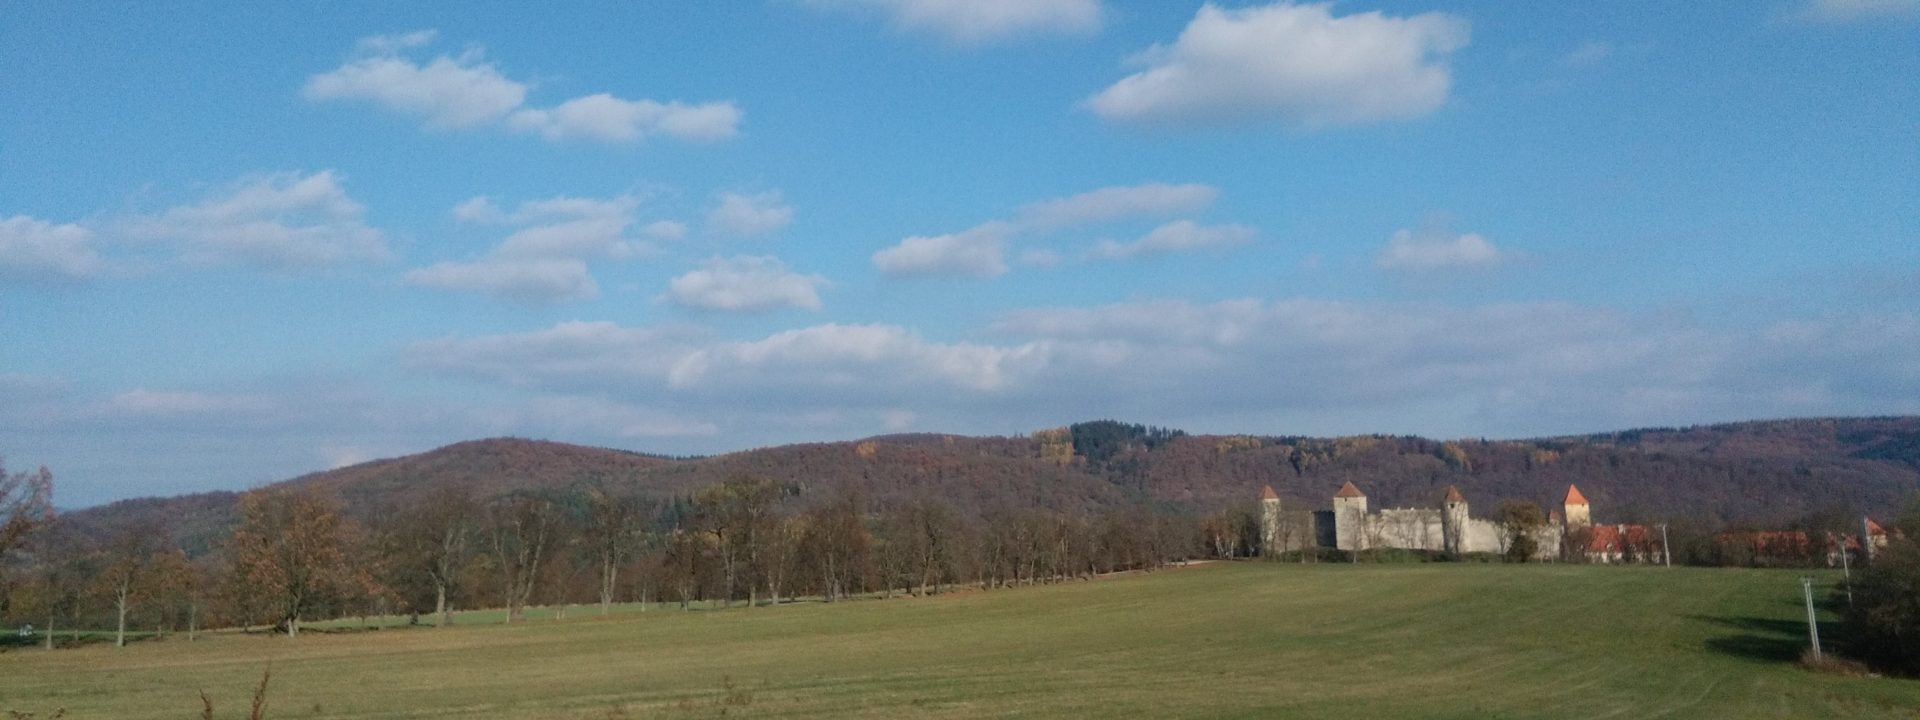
x: 293, y: 556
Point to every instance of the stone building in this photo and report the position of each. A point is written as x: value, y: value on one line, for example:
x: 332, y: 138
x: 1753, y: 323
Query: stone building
x: 1450, y: 528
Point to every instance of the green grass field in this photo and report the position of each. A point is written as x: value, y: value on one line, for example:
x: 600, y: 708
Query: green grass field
x: 1224, y: 640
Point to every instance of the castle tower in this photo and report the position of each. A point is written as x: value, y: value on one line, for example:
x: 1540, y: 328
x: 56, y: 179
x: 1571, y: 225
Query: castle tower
x: 1269, y: 522
x: 1578, y: 514
x: 1453, y: 522
x: 1349, y: 518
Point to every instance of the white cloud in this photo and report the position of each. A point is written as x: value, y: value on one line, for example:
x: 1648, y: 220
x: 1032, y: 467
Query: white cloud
x: 544, y: 260
x: 976, y: 252
x: 1176, y: 236
x: 281, y: 222
x: 1852, y: 11
x: 1294, y: 63
x: 478, y: 210
x: 608, y: 118
x: 466, y: 92
x: 971, y: 22
x: 829, y: 357
x: 390, y: 44
x: 1589, y: 52
x: 528, y: 280
x: 142, y: 403
x: 1112, y: 203
x: 1301, y: 365
x: 587, y: 414
x: 569, y: 354
x: 749, y: 215
x: 1040, y: 257
x: 746, y: 284
x: 1407, y: 250
x: 34, y: 249
x: 601, y: 236
x: 446, y: 92
x: 664, y: 230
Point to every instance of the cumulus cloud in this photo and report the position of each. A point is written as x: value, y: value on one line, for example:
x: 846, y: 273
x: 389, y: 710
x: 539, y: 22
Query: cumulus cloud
x: 1417, y: 252
x: 540, y: 281
x: 1298, y: 64
x: 1175, y: 237
x: 664, y: 230
x: 980, y: 251
x: 569, y: 354
x: 281, y: 222
x: 544, y: 260
x: 1112, y: 203
x: 746, y: 284
x: 34, y: 249
x: 970, y: 22
x: 854, y: 356
x: 1275, y: 365
x: 749, y: 215
x: 608, y: 118
x: 465, y: 91
x: 1853, y: 11
x: 976, y: 252
x: 447, y: 92
x: 579, y: 414
x: 150, y: 403
x: 1589, y: 52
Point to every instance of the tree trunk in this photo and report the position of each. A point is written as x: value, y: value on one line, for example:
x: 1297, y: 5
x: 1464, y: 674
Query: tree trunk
x: 293, y: 626
x: 50, y: 618
x: 609, y: 574
x: 193, y: 620
x: 120, y: 630
x: 440, y: 604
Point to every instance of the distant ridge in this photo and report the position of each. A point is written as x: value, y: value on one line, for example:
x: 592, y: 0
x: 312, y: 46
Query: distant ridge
x: 1765, y: 471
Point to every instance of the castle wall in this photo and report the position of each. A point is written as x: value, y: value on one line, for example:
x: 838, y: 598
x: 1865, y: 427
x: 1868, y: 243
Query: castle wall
x: 1483, y: 536
x: 1408, y: 528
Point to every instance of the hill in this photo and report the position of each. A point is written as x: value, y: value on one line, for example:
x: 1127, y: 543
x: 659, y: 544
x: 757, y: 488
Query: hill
x: 1761, y: 472
x: 1222, y: 640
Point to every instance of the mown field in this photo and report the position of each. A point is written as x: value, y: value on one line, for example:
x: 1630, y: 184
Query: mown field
x: 1223, y: 640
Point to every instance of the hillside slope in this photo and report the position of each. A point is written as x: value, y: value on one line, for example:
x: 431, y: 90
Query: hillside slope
x: 1761, y: 472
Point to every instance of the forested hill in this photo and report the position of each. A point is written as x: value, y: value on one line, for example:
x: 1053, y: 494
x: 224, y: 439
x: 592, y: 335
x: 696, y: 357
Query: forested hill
x: 1761, y: 472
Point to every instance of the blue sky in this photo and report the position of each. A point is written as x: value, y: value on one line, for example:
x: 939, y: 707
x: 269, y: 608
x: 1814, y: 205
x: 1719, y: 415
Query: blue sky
x: 243, y: 241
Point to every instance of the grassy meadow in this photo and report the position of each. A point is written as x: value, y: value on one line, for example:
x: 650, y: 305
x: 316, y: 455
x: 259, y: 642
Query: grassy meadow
x: 1223, y: 640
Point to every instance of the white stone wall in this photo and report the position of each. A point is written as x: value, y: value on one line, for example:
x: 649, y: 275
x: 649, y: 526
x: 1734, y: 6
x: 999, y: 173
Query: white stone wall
x: 1408, y: 528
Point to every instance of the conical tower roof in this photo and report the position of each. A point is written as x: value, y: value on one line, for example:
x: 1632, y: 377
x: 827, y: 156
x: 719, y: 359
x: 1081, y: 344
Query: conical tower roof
x: 1349, y: 491
x: 1267, y: 493
x: 1574, y: 497
x: 1453, y: 494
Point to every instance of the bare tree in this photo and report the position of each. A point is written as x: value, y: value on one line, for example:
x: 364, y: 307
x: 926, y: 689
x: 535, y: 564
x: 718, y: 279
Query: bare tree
x: 128, y: 570
x: 611, y: 531
x: 522, y: 529
x: 836, y: 545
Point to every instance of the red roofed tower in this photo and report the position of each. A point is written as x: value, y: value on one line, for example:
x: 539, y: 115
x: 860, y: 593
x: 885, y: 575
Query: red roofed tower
x: 1578, y: 513
x: 1349, y: 518
x: 1453, y: 522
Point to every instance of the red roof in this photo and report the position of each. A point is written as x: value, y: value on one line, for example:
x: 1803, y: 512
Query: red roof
x: 1574, y: 497
x: 1266, y: 493
x: 1873, y: 528
x: 1349, y: 491
x: 1609, y: 538
x: 1453, y: 494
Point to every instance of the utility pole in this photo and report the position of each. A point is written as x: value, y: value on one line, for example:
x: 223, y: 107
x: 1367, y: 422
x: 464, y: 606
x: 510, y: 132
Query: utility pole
x: 1813, y: 624
x: 1666, y: 551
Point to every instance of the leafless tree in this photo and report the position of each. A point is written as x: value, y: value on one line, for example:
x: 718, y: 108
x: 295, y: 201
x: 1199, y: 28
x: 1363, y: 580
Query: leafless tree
x: 522, y: 529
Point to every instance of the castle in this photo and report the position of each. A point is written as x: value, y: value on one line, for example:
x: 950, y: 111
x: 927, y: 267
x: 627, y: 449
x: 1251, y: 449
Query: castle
x: 1449, y: 528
